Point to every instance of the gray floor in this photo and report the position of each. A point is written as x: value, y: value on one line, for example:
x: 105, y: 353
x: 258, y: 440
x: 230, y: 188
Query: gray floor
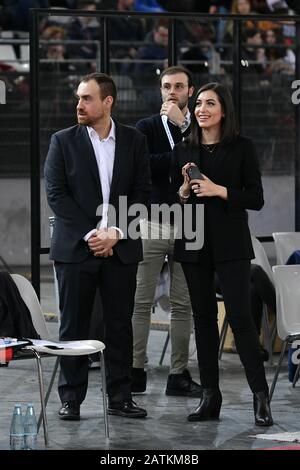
x: 166, y: 426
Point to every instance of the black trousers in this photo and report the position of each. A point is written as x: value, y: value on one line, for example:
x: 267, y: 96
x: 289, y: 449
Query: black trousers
x: 262, y: 292
x: 97, y: 323
x: 77, y: 287
x: 234, y: 277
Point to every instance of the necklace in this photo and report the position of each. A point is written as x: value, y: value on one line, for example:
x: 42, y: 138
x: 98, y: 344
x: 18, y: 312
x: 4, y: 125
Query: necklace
x: 210, y: 148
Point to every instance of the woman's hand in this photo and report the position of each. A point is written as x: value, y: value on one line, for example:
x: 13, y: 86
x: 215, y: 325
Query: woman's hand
x: 206, y: 188
x: 186, y: 179
x: 184, y: 190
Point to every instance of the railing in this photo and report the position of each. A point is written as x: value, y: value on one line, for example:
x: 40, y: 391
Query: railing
x: 104, y: 47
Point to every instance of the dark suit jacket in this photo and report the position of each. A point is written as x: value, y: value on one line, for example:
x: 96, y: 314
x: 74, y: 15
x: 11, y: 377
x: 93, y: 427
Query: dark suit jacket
x: 160, y: 156
x: 226, y: 222
x: 74, y: 191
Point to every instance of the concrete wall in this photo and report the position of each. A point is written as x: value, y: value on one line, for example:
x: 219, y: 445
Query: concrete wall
x: 15, y: 245
x: 277, y: 215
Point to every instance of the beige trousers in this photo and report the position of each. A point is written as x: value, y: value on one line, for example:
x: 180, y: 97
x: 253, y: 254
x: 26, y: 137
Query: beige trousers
x: 158, y: 242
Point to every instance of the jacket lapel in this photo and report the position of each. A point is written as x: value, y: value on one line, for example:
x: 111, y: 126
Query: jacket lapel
x: 121, y: 151
x: 194, y: 155
x: 86, y: 151
x: 222, y: 153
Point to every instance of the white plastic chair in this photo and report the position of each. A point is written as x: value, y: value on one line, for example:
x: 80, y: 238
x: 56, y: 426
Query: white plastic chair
x: 7, y: 54
x: 51, y: 226
x: 261, y: 260
x: 261, y: 257
x: 73, y: 348
x: 269, y: 334
x: 285, y: 244
x: 287, y: 284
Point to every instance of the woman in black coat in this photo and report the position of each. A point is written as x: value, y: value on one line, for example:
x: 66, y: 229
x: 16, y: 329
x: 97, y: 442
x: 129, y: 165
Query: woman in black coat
x: 231, y: 184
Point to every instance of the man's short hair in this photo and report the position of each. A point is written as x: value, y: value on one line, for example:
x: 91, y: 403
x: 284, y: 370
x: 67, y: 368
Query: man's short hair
x: 177, y: 69
x: 249, y: 34
x: 106, y: 84
x: 161, y: 23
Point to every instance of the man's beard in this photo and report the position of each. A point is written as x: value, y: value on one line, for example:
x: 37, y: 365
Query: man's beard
x: 85, y: 121
x: 181, y: 106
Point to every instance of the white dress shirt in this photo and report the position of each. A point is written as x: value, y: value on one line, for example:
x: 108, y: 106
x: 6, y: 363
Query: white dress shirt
x: 186, y: 123
x: 105, y: 156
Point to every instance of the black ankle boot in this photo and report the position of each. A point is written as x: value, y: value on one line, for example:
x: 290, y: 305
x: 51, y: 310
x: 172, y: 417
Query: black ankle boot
x: 209, y: 406
x: 262, y: 411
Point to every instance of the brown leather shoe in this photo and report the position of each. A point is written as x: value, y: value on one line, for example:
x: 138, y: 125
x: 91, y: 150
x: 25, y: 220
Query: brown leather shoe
x: 70, y: 411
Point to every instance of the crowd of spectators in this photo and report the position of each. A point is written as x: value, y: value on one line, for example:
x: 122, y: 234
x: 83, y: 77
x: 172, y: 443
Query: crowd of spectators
x: 141, y: 44
x: 14, y: 13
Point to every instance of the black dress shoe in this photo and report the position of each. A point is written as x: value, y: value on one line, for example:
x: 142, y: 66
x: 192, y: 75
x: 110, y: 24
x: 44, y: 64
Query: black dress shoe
x: 138, y: 380
x: 262, y: 410
x: 127, y: 409
x: 209, y: 407
x: 182, y: 385
x: 264, y: 354
x: 70, y: 411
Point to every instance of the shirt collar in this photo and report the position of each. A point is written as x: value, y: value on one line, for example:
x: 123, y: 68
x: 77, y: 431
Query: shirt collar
x: 187, y: 121
x: 187, y: 117
x: 111, y: 135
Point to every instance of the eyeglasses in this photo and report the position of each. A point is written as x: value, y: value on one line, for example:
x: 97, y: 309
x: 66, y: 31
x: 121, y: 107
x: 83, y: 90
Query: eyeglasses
x: 177, y: 86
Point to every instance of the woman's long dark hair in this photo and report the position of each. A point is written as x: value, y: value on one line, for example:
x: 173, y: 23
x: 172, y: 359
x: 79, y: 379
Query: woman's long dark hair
x: 229, y: 129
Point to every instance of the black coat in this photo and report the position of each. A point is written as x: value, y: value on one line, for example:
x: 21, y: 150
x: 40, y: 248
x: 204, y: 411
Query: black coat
x: 160, y: 156
x: 226, y: 222
x: 15, y: 318
x: 74, y: 191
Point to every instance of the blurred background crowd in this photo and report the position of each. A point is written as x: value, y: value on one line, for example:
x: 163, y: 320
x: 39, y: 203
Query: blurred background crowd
x: 267, y: 43
x: 70, y: 47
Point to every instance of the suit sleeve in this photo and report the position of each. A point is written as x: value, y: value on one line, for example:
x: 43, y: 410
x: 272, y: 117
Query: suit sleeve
x: 159, y: 162
x: 251, y: 194
x: 176, y: 177
x: 142, y: 179
x: 58, y: 192
x: 140, y: 188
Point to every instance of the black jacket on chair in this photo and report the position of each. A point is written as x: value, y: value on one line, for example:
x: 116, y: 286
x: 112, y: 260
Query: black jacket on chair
x: 15, y: 318
x: 226, y: 222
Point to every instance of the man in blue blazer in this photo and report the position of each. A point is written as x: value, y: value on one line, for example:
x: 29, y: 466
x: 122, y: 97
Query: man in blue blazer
x: 89, y: 167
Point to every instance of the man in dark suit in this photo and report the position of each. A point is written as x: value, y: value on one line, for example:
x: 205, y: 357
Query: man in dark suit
x: 89, y: 167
